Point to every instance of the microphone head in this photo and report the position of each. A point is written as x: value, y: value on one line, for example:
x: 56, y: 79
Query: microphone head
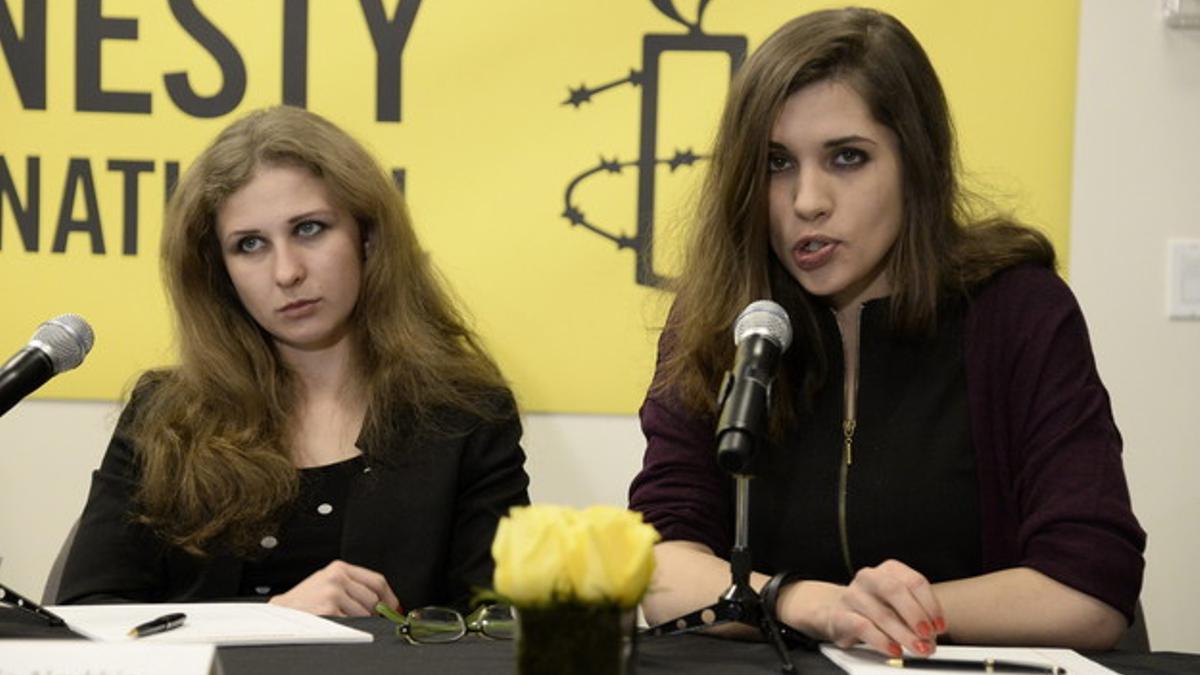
x: 765, y: 318
x: 65, y: 339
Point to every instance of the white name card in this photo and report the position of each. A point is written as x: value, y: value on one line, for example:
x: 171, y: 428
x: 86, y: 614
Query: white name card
x: 80, y: 657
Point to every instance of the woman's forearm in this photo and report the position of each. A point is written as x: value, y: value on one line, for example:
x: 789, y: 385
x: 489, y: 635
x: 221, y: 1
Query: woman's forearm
x: 1022, y: 606
x: 688, y: 576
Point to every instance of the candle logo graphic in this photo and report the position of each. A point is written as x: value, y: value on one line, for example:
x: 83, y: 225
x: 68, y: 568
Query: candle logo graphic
x: 648, y: 78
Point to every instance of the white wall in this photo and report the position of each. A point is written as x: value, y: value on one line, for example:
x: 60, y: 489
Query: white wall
x: 47, y: 453
x: 1136, y: 183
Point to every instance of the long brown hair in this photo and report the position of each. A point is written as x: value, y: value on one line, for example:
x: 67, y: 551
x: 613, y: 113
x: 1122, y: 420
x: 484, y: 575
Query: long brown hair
x: 729, y: 262
x: 212, y: 433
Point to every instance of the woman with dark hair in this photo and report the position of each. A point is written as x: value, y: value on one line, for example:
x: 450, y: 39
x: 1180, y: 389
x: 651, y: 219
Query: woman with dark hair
x: 334, y: 435
x: 942, y: 461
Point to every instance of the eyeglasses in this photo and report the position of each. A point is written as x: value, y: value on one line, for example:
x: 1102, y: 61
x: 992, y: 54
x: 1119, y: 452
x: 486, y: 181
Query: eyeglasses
x: 439, y: 625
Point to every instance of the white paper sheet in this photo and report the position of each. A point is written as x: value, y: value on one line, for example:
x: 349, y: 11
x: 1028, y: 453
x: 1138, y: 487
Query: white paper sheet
x: 220, y: 623
x: 79, y: 657
x: 861, y: 661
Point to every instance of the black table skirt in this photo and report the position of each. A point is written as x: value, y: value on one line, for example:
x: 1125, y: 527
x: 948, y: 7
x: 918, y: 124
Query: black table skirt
x: 475, y: 655
x: 691, y: 654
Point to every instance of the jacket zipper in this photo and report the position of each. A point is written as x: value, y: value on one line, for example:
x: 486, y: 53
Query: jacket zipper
x: 849, y: 425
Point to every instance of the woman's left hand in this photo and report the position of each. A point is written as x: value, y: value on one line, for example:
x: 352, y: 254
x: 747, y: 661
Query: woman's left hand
x: 890, y: 607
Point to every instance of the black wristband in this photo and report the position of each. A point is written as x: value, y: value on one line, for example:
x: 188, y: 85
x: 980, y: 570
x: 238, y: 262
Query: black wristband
x: 770, y: 592
x: 770, y: 598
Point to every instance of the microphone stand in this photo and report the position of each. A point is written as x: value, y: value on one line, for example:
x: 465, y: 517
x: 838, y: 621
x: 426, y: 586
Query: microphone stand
x: 739, y: 603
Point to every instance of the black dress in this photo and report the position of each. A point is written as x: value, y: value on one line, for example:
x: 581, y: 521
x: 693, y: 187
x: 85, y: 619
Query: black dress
x: 312, y: 534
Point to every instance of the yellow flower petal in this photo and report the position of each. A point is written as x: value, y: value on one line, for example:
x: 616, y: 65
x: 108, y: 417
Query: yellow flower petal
x: 529, y: 550
x: 546, y: 554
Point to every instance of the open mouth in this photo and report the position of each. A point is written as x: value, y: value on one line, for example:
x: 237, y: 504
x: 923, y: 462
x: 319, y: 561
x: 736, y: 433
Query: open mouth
x: 811, y: 253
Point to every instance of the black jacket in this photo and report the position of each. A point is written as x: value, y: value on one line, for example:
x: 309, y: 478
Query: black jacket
x: 423, y: 516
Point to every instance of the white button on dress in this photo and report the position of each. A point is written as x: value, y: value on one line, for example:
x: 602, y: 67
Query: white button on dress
x: 269, y: 542
x: 262, y: 590
x: 325, y: 509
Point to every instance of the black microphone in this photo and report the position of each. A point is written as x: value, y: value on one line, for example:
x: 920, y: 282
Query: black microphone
x: 58, y: 345
x: 762, y: 334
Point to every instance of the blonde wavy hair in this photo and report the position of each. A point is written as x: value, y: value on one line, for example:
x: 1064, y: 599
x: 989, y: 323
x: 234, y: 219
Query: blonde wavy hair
x: 212, y: 433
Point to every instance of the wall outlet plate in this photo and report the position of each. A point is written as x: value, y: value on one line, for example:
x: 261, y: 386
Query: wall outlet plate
x: 1183, y: 278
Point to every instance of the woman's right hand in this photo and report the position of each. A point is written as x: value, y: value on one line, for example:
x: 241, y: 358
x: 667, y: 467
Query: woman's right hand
x: 339, y: 589
x: 891, y: 608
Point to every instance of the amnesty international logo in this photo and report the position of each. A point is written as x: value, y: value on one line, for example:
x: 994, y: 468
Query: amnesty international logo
x: 654, y: 46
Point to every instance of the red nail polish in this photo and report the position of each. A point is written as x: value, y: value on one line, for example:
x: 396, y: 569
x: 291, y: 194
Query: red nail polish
x: 923, y: 629
x: 940, y: 624
x: 895, y: 650
x: 924, y: 647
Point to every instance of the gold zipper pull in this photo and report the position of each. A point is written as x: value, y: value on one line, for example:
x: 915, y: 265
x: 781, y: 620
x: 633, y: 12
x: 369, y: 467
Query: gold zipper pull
x: 848, y: 435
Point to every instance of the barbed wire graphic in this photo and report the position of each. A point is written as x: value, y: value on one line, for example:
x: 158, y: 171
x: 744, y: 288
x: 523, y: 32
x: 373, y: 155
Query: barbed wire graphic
x: 575, y: 215
x: 584, y: 94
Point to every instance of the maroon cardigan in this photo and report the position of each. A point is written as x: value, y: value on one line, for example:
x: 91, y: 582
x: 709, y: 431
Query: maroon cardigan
x: 1052, y: 488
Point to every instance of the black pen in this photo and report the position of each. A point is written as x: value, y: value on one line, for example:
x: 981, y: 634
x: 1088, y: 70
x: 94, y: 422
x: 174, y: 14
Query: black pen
x: 986, y: 665
x: 160, y: 625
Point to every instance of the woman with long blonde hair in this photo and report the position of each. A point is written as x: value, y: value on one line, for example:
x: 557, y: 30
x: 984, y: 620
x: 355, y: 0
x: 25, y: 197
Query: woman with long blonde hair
x: 942, y: 462
x: 334, y: 434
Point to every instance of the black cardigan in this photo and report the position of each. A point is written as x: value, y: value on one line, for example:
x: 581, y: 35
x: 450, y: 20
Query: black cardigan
x: 423, y: 516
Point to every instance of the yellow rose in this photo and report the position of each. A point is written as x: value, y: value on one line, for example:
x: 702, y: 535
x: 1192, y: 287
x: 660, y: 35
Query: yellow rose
x: 546, y: 554
x: 612, y: 556
x: 530, y: 550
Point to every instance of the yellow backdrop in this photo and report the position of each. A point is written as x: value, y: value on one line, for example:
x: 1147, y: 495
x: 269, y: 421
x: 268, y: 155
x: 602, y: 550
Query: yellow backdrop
x: 487, y: 138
